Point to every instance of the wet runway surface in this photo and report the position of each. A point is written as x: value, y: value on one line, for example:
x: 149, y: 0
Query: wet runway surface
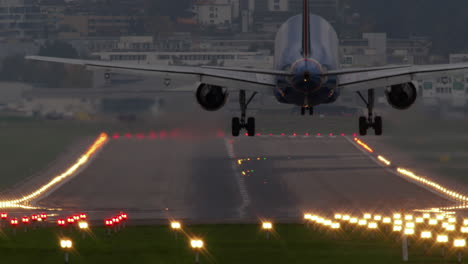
x: 211, y: 179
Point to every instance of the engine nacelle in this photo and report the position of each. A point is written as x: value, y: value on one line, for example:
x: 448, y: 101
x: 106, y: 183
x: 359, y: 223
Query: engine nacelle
x: 210, y: 97
x: 401, y: 96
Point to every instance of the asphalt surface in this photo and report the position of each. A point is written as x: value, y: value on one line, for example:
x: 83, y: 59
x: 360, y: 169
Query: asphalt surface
x: 196, y: 176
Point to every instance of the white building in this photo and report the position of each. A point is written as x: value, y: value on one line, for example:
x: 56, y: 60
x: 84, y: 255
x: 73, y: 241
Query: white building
x: 216, y: 12
x: 21, y: 19
x: 278, y: 5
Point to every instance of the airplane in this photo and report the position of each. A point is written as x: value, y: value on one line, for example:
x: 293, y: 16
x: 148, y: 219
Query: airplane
x: 307, y: 73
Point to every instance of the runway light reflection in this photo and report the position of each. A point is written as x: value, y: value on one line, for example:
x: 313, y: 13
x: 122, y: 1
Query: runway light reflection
x: 23, y: 202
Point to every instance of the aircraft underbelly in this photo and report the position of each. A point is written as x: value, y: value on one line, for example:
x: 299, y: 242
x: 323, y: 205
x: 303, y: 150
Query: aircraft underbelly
x: 323, y: 49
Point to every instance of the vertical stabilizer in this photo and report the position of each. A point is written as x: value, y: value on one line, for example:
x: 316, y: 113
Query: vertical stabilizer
x: 305, y: 29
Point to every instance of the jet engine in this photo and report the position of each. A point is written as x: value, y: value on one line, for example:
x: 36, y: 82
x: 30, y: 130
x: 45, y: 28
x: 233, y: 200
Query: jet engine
x: 401, y: 96
x: 211, y: 97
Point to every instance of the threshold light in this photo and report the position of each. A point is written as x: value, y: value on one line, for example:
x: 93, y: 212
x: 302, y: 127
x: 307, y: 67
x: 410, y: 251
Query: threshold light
x: 353, y: 220
x: 176, y: 225
x: 426, y: 234
x: 459, y: 243
x: 464, y: 229
x: 66, y: 243
x: 442, y: 239
x: 398, y: 222
x: 426, y: 216
x: 367, y: 216
x: 377, y: 217
x: 267, y: 226
x: 408, y: 217
x: 346, y: 218
x: 362, y: 222
x: 433, y: 222
x: 410, y: 225
x: 196, y: 244
x: 419, y: 220
x: 338, y: 216
x: 83, y: 225
x: 335, y: 225
x: 409, y: 231
x: 396, y: 216
x: 372, y: 225
x: 387, y: 220
x: 397, y: 228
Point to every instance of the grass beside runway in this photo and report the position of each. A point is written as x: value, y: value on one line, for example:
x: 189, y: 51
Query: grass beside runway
x: 224, y: 244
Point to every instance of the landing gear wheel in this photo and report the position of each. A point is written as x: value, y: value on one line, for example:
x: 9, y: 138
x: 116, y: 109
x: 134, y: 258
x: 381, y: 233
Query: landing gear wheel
x: 311, y: 111
x: 250, y: 127
x: 303, y: 110
x: 236, y: 127
x: 363, y: 126
x: 378, y: 125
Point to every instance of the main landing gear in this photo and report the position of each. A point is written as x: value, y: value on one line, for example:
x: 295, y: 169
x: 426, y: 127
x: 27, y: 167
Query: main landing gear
x: 370, y: 121
x: 304, y: 108
x: 239, y: 123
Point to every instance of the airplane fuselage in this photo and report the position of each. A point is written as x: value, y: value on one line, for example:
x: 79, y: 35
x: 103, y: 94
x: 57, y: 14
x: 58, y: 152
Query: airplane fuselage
x: 307, y: 87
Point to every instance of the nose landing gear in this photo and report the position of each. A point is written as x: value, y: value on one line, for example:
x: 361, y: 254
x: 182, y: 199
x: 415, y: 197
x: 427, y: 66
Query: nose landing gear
x: 304, y: 108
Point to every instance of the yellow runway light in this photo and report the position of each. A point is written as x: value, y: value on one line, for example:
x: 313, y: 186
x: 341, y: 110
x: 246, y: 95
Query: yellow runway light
x: 387, y: 220
x: 426, y: 234
x: 335, y: 225
x: 410, y: 225
x: 398, y: 222
x: 372, y: 225
x: 353, y: 220
x: 397, y: 216
x: 367, y: 216
x: 426, y: 216
x: 459, y: 243
x: 346, y: 217
x: 464, y: 229
x: 384, y: 160
x: 409, y: 231
x: 377, y: 218
x: 408, y: 217
x: 442, y: 239
x: 338, y: 216
x: 419, y: 220
x: 433, y: 222
x: 362, y: 222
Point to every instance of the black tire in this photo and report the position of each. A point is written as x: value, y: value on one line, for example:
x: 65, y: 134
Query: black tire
x: 302, y: 110
x: 311, y: 111
x: 378, y: 126
x: 363, y: 126
x: 236, y: 127
x: 251, y: 127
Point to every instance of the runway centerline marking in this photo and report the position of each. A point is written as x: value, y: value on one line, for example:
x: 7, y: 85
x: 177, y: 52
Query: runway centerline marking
x: 239, y: 179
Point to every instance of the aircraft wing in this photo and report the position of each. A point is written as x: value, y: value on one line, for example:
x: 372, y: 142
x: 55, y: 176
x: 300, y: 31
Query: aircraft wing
x: 259, y: 81
x: 378, y: 77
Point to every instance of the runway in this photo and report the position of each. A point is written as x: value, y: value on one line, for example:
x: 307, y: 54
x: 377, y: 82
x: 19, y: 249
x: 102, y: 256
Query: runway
x: 218, y: 179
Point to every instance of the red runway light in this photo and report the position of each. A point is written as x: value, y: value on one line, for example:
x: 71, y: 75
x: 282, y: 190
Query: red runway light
x: 282, y: 134
x: 34, y: 217
x: 342, y: 134
x: 306, y: 134
x: 61, y: 222
x: 162, y: 134
x: 354, y: 135
x: 124, y: 215
x: 258, y: 134
x: 115, y: 220
x: 4, y: 216
x: 14, y: 222
x: 140, y: 136
x: 246, y: 134
x: 83, y: 216
x: 25, y: 220
x: 70, y: 220
x: 319, y: 135
x: 108, y: 222
x: 271, y: 134
x: 128, y: 135
x: 43, y: 216
x: 76, y: 217
x: 331, y: 134
x: 116, y: 136
x: 153, y: 135
x: 294, y: 134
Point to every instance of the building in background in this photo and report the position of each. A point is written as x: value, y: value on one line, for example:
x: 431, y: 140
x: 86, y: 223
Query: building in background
x: 22, y: 19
